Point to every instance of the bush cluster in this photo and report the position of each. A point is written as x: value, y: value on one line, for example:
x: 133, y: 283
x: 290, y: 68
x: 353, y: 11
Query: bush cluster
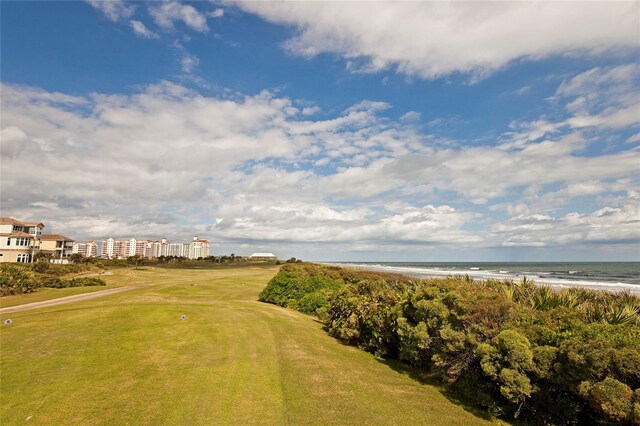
x: 306, y: 286
x: 21, y: 279
x: 517, y: 350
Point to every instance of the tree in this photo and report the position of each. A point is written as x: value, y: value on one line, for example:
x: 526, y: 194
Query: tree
x: 136, y: 260
x: 41, y: 256
x: 76, y: 258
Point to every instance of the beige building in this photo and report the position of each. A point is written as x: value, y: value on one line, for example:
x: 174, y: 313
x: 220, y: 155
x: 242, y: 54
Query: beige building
x: 198, y: 248
x: 19, y: 241
x: 59, y: 246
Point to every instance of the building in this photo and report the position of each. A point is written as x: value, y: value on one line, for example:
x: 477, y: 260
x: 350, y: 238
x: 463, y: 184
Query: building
x: 88, y: 249
x: 19, y: 241
x: 178, y: 250
x: 263, y: 256
x: 114, y: 249
x: 198, y: 248
x: 58, y: 246
x: 120, y: 249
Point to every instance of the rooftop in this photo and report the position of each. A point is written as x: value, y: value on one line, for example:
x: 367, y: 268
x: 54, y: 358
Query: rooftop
x: 12, y: 221
x: 263, y: 255
x: 55, y: 237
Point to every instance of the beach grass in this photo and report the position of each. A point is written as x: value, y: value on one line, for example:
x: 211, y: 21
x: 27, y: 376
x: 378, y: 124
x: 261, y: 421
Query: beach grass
x: 129, y: 358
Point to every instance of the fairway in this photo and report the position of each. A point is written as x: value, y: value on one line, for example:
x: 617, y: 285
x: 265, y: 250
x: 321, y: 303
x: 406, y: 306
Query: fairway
x: 129, y: 358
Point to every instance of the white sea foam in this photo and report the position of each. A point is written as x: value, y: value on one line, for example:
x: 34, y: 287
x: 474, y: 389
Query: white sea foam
x: 498, y: 275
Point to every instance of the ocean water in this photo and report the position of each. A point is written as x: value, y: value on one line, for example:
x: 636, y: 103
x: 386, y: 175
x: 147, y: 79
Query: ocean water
x: 612, y: 276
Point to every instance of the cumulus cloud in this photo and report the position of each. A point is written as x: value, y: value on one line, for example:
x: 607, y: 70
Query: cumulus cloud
x: 166, y: 14
x: 434, y: 39
x: 114, y: 10
x: 167, y: 159
x: 607, y: 225
x: 141, y: 30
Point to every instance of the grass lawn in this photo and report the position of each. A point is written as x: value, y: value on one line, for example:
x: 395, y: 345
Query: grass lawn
x: 128, y: 358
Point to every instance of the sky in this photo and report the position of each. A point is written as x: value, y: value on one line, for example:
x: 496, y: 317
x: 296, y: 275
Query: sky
x: 357, y: 131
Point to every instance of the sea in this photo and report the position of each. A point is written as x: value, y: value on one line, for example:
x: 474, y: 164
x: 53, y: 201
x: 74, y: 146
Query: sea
x: 613, y: 276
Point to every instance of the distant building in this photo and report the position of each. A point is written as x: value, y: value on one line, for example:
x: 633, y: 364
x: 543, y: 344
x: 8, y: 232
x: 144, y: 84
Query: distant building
x: 120, y: 249
x: 263, y: 256
x: 19, y: 241
x: 114, y: 249
x: 88, y: 249
x: 58, y: 246
x: 198, y: 248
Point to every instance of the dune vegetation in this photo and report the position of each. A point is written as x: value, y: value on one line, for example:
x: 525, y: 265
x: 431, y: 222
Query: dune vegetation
x: 195, y: 346
x: 517, y: 350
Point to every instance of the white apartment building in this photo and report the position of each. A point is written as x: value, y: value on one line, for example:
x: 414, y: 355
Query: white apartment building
x: 114, y: 249
x: 178, y: 250
x: 88, y: 249
x: 19, y: 241
x: 119, y: 249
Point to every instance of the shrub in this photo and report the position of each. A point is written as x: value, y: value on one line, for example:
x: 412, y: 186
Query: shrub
x: 567, y: 357
x: 41, y: 266
x: 16, y: 280
x: 610, y: 398
x: 86, y: 282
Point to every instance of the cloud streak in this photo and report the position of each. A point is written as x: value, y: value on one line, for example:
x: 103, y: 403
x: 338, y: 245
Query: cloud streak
x: 434, y: 39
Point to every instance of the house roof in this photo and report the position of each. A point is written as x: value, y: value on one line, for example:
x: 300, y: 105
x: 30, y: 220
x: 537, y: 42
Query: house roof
x: 55, y: 237
x: 12, y: 221
x: 263, y: 255
x: 20, y: 234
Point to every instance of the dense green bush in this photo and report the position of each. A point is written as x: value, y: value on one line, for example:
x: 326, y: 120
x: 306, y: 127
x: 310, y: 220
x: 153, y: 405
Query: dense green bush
x: 306, y: 287
x: 516, y: 349
x: 86, y: 282
x: 16, y: 280
x: 25, y: 278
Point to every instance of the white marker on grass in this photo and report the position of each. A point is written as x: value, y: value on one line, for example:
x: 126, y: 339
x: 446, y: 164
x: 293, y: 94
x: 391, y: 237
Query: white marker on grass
x: 183, y: 317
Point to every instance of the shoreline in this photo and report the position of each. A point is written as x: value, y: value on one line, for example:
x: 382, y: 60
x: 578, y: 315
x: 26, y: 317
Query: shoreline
x: 556, y: 283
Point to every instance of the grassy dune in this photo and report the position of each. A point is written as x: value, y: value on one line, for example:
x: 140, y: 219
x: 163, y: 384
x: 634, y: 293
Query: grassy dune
x: 129, y: 359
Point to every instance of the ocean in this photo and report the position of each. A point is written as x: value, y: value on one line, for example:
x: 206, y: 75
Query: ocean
x: 613, y: 276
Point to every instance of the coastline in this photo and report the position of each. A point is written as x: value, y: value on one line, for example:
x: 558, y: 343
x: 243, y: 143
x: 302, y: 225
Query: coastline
x: 425, y: 273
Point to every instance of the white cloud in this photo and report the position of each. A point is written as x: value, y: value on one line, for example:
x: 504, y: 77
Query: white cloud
x: 167, y: 160
x: 635, y: 138
x: 217, y: 13
x: 114, y: 10
x: 603, y: 97
x: 434, y: 39
x: 166, y: 14
x: 141, y: 30
x: 310, y: 110
x: 189, y: 62
x: 605, y: 226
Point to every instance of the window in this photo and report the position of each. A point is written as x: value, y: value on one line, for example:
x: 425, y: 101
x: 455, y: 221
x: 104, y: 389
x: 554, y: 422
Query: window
x: 17, y: 228
x: 21, y: 242
x: 23, y: 258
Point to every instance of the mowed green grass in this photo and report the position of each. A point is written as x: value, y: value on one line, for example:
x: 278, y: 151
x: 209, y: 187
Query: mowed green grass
x: 128, y: 358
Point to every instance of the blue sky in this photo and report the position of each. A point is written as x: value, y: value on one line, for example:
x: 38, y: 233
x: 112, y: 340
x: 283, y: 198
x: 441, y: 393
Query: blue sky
x: 427, y: 131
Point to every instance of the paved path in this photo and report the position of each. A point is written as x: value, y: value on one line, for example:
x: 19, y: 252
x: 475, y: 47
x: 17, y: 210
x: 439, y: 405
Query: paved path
x: 62, y: 300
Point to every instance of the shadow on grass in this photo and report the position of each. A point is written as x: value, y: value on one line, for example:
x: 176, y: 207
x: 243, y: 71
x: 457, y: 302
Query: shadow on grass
x: 430, y: 380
